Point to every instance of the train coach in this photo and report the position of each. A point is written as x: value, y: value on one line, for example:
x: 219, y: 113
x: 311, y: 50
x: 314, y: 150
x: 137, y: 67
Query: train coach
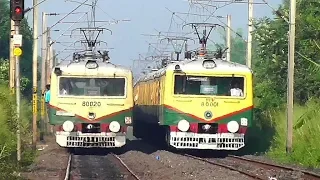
x: 198, y: 103
x: 91, y: 103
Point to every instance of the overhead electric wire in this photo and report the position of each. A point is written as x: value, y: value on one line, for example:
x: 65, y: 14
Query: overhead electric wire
x: 62, y: 19
x: 227, y: 26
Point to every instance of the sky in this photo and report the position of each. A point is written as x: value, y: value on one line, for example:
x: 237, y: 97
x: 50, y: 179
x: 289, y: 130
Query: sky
x: 146, y: 17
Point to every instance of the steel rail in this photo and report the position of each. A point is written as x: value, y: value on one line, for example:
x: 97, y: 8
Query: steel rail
x: 254, y: 176
x: 124, y: 165
x: 67, y: 175
x: 306, y: 174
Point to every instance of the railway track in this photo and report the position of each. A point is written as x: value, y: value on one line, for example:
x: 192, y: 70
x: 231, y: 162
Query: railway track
x: 254, y: 176
x: 126, y: 167
x: 258, y: 164
x: 305, y: 174
x: 77, y: 170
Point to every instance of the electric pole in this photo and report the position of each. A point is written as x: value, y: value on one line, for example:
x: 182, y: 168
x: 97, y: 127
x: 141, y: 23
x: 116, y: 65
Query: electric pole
x: 250, y: 29
x: 50, y: 61
x: 43, y: 70
x: 229, y: 38
x: 49, y: 68
x: 54, y: 58
x: 34, y: 73
x: 47, y: 71
x: 291, y: 75
x: 12, y: 59
x: 48, y: 56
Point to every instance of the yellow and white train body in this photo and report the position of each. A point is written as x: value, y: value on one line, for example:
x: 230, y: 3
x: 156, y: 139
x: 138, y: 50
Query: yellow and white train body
x: 197, y: 103
x: 91, y: 104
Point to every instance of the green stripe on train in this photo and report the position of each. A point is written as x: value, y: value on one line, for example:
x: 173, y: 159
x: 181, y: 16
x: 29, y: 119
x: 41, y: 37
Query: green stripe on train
x: 168, y: 116
x: 173, y: 117
x: 58, y: 120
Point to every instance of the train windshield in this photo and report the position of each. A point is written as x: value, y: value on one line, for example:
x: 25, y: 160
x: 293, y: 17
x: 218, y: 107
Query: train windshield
x: 80, y: 86
x: 209, y: 85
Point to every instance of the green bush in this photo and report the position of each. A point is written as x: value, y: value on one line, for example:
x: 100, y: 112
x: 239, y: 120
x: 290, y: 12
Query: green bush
x: 305, y: 135
x: 8, y: 140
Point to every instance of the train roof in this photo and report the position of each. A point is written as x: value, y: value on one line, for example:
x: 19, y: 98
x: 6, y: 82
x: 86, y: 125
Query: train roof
x: 196, y: 64
x: 80, y: 67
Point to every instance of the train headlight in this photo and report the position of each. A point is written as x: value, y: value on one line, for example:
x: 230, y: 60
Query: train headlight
x: 91, y: 65
x: 233, y: 126
x: 57, y: 71
x: 68, y: 126
x: 208, y: 64
x: 114, y: 126
x: 177, y: 67
x: 183, y: 125
x: 92, y: 115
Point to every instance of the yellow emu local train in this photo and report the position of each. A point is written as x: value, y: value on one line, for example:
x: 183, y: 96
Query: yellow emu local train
x: 197, y: 103
x: 91, y: 103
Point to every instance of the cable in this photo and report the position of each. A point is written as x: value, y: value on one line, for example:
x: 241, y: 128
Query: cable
x: 62, y: 19
x: 278, y: 13
x: 227, y: 26
x: 106, y: 13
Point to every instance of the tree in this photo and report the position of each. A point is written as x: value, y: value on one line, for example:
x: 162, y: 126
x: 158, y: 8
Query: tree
x: 26, y: 58
x: 238, y: 47
x: 271, y: 55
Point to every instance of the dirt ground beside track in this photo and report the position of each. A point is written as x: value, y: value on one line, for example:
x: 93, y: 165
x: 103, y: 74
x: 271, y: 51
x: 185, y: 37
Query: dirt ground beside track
x: 153, y: 164
x: 51, y: 162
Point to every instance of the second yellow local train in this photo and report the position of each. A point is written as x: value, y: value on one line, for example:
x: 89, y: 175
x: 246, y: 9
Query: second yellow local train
x: 198, y: 103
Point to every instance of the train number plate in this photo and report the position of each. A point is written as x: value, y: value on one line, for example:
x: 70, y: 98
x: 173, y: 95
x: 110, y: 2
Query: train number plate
x: 91, y: 103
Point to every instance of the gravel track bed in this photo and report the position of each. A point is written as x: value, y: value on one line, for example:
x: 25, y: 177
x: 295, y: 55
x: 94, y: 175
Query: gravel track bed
x: 149, y: 163
x: 268, y: 160
x: 50, y: 164
x: 261, y: 172
x: 102, y: 167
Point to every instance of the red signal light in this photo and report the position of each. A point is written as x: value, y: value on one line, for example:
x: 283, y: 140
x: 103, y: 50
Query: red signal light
x: 18, y: 10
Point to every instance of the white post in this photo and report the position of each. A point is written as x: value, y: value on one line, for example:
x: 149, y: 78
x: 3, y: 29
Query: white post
x: 250, y: 29
x: 229, y: 38
x: 35, y: 73
x: 291, y: 76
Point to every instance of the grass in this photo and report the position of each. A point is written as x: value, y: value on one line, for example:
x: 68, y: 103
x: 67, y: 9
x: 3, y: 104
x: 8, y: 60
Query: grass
x: 306, y: 136
x: 8, y: 140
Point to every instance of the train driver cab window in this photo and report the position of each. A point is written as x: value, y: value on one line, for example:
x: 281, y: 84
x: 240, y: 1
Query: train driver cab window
x: 64, y: 86
x: 76, y: 86
x: 209, y: 85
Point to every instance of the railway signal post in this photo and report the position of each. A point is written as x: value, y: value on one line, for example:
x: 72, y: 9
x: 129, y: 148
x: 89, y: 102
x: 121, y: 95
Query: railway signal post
x: 17, y: 14
x: 12, y: 60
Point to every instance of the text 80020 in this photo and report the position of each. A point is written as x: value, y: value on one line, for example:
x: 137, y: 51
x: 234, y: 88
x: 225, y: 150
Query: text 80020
x: 91, y: 103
